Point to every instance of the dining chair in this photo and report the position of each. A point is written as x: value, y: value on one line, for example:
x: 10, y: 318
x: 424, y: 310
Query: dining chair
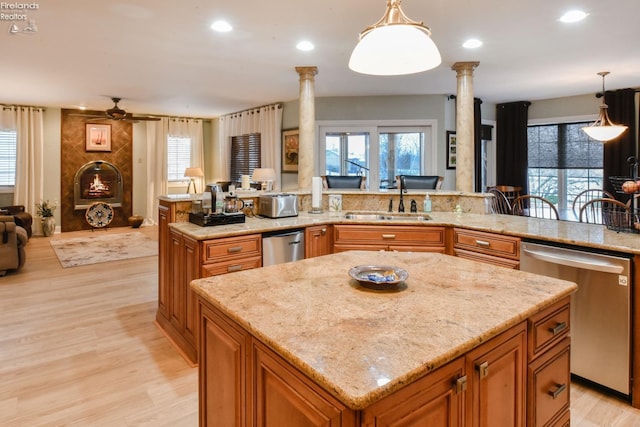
x: 499, y: 203
x: 510, y: 192
x: 421, y: 182
x: 587, y: 195
x: 344, y: 181
x: 606, y: 211
x: 534, y: 206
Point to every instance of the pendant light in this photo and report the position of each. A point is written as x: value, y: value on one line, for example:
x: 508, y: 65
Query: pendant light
x: 395, y: 45
x: 603, y: 129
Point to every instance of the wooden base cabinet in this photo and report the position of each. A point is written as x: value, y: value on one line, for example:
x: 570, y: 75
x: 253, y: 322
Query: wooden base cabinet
x: 242, y: 383
x: 401, y: 238
x: 318, y: 240
x: 489, y: 248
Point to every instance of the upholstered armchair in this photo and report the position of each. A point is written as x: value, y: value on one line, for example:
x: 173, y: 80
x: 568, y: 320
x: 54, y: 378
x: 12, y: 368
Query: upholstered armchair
x: 21, y: 217
x: 13, y: 239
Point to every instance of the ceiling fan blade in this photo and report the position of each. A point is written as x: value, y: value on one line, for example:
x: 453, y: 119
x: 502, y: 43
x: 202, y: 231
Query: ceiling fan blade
x: 97, y: 116
x: 143, y: 118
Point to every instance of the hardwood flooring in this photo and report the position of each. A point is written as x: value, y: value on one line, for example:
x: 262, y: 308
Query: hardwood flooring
x: 78, y: 347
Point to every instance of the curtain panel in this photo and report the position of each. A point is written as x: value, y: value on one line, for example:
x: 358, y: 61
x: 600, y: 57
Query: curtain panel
x: 267, y: 121
x: 622, y: 110
x: 28, y: 123
x: 157, y: 133
x: 511, y: 144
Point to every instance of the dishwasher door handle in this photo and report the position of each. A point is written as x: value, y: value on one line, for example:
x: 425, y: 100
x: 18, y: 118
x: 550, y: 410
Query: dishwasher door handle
x: 586, y: 262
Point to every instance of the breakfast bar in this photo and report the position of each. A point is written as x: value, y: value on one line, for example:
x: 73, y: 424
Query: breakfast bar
x: 308, y: 342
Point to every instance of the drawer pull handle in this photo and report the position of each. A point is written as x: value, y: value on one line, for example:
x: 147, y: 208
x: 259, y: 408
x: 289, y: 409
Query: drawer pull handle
x: 233, y: 268
x: 388, y: 236
x: 561, y: 326
x: 558, y: 391
x: 234, y: 249
x: 323, y: 231
x: 483, y: 243
x: 483, y: 368
x: 461, y: 384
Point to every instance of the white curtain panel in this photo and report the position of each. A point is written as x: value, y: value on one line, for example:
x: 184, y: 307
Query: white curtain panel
x: 265, y: 120
x: 29, y: 126
x: 193, y: 129
x: 157, y: 133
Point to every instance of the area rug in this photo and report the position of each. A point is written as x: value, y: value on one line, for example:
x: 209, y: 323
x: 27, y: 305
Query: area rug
x: 103, y: 248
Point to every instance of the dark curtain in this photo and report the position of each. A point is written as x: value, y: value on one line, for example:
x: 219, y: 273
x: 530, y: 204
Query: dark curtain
x: 621, y: 105
x: 477, y: 143
x: 511, y: 144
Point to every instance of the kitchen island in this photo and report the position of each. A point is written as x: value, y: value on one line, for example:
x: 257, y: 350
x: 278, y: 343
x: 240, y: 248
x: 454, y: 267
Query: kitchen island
x: 305, y: 343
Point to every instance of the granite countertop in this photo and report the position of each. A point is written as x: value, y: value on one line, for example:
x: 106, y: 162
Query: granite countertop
x: 568, y: 232
x: 361, y: 345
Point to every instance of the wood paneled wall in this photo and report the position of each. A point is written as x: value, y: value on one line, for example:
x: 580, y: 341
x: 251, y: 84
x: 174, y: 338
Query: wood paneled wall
x: 74, y: 155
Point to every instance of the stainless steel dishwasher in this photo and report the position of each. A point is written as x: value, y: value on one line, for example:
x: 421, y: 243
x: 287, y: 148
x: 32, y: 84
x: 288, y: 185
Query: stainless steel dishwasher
x: 600, y: 308
x: 282, y: 246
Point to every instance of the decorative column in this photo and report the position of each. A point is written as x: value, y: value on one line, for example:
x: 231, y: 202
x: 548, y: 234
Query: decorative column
x: 464, y: 125
x: 306, y: 126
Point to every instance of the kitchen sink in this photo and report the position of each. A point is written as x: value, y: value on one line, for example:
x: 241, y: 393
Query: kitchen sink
x: 386, y: 216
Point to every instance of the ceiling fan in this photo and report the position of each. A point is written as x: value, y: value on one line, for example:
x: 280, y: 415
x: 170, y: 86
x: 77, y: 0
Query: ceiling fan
x: 117, y: 113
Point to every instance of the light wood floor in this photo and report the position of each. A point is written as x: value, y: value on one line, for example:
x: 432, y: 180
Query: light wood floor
x: 78, y: 347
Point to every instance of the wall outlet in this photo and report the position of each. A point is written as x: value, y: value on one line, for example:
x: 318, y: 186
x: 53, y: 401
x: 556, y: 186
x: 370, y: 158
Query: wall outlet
x: 248, y: 203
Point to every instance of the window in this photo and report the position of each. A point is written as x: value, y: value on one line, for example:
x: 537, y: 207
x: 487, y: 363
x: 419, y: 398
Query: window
x: 245, y: 155
x: 378, y: 150
x: 563, y: 161
x: 8, y: 145
x: 178, y: 157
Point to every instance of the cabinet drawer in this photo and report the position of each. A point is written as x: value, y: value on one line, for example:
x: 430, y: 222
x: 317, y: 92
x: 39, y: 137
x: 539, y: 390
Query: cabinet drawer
x: 231, y: 266
x: 229, y: 248
x: 404, y: 235
x: 487, y: 259
x: 548, y: 327
x: 487, y: 243
x: 549, y: 385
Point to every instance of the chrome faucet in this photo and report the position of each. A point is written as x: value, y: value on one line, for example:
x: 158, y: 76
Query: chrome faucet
x: 402, y: 190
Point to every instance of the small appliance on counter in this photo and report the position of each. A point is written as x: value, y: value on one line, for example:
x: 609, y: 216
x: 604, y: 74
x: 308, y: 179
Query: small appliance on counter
x: 206, y: 220
x: 278, y: 205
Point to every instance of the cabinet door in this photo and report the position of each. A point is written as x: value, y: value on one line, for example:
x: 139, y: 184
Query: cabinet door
x: 497, y: 371
x: 222, y: 372
x: 163, y: 264
x: 177, y: 288
x: 317, y: 241
x: 549, y: 384
x: 284, y: 397
x: 436, y: 400
x: 191, y: 272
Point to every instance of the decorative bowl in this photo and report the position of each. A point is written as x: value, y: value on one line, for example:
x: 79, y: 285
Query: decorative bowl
x: 378, y: 276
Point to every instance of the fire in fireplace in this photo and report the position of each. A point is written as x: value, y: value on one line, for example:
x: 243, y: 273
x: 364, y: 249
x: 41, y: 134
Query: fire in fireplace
x: 97, y: 181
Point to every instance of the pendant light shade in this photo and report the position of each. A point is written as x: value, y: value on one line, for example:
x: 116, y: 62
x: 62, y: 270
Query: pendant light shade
x: 603, y: 129
x: 395, y: 45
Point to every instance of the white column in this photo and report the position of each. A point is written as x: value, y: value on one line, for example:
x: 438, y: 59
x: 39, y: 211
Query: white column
x: 464, y: 125
x: 306, y: 126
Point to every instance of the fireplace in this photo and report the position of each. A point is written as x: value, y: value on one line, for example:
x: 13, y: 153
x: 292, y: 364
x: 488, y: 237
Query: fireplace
x: 97, y: 181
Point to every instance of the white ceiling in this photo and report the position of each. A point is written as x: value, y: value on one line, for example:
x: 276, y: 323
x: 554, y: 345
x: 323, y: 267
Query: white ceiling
x: 161, y: 57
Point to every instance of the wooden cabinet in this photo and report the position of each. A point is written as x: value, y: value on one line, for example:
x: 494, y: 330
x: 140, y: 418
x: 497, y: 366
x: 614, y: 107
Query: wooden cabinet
x: 229, y: 254
x: 489, y: 248
x: 242, y: 382
x: 402, y: 238
x: 181, y: 260
x: 318, y: 240
x: 548, y: 373
x: 436, y: 400
x: 497, y: 381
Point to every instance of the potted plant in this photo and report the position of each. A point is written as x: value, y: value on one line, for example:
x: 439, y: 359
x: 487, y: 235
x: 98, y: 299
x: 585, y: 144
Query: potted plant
x: 45, y: 210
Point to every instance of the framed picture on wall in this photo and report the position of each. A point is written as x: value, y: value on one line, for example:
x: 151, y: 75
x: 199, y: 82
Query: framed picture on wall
x: 98, y: 137
x: 451, y: 149
x: 290, y: 144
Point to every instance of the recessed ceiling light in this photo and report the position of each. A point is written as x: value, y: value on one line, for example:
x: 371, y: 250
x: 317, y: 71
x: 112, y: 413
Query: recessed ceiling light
x: 573, y: 16
x: 305, y: 45
x: 472, y: 44
x: 221, y: 26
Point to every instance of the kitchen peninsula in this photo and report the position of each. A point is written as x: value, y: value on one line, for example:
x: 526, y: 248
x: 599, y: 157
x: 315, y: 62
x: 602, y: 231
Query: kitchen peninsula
x: 302, y: 344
